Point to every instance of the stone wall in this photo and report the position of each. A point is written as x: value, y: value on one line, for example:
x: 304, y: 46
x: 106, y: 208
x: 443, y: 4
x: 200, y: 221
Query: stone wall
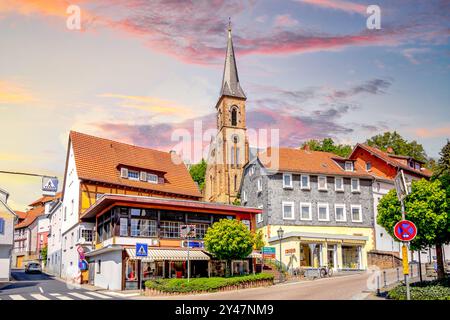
x: 384, y: 260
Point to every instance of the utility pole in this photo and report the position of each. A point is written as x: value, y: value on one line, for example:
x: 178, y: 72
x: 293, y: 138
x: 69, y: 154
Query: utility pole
x: 405, y: 257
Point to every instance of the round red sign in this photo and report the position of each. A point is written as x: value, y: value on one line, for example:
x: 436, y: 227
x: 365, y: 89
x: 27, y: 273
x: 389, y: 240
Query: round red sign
x: 405, y: 230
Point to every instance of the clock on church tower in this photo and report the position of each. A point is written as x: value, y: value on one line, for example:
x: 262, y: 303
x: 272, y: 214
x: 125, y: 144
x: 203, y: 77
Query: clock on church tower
x: 228, y: 151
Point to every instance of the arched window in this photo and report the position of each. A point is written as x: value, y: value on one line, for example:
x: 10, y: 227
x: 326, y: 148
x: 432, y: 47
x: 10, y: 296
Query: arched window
x: 234, y: 116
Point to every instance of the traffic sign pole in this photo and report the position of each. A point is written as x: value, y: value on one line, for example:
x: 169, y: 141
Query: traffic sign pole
x: 405, y: 258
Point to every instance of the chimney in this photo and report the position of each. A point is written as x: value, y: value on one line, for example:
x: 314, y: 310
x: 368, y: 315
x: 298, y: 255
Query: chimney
x: 389, y: 150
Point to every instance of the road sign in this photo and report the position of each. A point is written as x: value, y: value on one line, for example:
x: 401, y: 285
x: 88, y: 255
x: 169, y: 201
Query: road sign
x: 141, y: 250
x: 187, y: 230
x: 268, y: 252
x: 405, y: 230
x: 49, y: 186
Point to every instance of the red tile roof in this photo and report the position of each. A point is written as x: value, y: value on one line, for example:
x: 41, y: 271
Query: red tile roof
x: 392, y: 160
x: 21, y: 215
x: 45, y: 199
x: 98, y: 159
x: 306, y: 161
x: 31, y: 215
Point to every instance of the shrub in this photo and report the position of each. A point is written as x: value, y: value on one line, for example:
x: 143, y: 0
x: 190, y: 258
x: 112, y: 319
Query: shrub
x: 203, y: 284
x: 426, y: 290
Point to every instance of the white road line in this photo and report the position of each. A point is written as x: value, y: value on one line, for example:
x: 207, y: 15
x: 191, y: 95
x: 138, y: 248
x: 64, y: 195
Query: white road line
x: 16, y: 297
x: 81, y: 296
x: 98, y: 295
x: 38, y: 296
x: 40, y: 289
x: 54, y: 294
x: 122, y: 295
x: 60, y: 297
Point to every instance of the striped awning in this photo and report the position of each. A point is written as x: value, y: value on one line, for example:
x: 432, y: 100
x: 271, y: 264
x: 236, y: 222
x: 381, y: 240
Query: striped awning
x: 169, y: 254
x: 255, y: 255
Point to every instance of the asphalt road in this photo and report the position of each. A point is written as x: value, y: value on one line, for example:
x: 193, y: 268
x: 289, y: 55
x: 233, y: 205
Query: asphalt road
x: 45, y: 287
x: 348, y: 287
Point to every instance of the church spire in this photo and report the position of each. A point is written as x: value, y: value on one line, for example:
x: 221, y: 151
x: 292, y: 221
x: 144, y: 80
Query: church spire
x: 230, y: 81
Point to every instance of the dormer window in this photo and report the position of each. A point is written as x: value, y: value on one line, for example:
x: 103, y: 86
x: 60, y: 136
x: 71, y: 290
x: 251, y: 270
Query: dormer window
x: 152, y: 178
x: 348, y: 165
x: 133, y: 175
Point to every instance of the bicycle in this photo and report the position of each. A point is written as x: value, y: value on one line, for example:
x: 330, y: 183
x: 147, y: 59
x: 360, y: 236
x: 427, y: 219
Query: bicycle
x: 325, y: 271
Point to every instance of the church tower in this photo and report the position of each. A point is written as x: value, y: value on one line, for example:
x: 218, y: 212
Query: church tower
x: 228, y: 151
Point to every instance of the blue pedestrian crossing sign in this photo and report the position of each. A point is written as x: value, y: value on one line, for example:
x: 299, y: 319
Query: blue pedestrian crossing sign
x: 141, y: 249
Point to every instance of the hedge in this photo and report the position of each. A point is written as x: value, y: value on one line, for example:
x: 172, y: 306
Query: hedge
x: 426, y: 290
x: 203, y: 284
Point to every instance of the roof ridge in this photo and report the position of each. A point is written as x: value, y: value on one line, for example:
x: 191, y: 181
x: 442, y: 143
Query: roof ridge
x: 118, y: 142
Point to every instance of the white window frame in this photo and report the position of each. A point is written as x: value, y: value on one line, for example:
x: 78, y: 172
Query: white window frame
x: 351, y: 165
x: 259, y: 216
x: 292, y: 204
x: 306, y: 204
x: 285, y: 186
x: 360, y: 212
x: 151, y: 175
x: 244, y: 196
x: 259, y: 185
x: 133, y: 178
x: 322, y: 205
x: 359, y: 185
x: 318, y: 183
x: 308, y: 187
x: 335, y: 185
x: 340, y: 205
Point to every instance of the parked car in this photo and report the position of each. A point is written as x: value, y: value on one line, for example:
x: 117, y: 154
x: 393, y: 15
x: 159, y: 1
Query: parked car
x: 33, y: 267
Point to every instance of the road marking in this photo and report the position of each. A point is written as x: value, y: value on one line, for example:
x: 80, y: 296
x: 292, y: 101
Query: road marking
x: 55, y: 294
x: 38, y: 296
x: 40, y: 289
x: 116, y: 294
x: 98, y: 295
x: 16, y: 297
x: 60, y: 297
x: 81, y: 296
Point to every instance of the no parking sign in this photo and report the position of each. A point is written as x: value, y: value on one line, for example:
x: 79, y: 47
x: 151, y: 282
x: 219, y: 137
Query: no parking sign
x: 405, y: 230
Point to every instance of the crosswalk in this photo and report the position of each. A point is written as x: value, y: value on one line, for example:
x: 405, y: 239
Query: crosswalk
x: 83, y: 295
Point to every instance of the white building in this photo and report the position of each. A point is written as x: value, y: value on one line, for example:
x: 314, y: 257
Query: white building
x: 7, y: 221
x: 55, y: 239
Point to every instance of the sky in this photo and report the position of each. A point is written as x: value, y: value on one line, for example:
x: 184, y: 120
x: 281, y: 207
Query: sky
x: 139, y: 71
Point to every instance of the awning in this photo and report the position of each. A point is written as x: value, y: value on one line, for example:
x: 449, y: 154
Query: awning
x: 344, y: 242
x: 168, y: 254
x: 255, y: 255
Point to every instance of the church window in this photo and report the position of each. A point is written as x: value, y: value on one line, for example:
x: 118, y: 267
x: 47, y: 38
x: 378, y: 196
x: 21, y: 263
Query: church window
x: 234, y: 116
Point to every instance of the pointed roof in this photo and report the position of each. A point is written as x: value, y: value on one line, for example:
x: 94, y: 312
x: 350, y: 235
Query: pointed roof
x: 230, y: 81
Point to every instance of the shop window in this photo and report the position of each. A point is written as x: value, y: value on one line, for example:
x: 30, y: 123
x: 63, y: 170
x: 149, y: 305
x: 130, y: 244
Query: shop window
x: 170, y: 229
x: 240, y: 267
x: 350, y: 257
x: 124, y: 227
x: 143, y: 228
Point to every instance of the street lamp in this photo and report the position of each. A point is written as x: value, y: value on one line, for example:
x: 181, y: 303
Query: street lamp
x: 280, y: 236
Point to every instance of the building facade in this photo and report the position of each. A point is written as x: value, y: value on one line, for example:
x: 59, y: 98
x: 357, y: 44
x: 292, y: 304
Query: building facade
x: 116, y: 195
x: 322, y: 202
x: 7, y: 221
x: 384, y: 166
x: 54, y: 249
x: 228, y: 151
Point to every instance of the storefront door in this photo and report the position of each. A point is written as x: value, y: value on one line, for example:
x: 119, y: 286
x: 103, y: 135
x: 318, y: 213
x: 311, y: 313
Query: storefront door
x: 330, y: 257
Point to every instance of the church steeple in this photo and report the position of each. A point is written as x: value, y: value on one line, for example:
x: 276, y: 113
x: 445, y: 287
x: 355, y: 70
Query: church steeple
x: 230, y: 81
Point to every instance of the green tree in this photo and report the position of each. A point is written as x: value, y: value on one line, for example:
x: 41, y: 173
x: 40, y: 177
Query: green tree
x: 426, y: 206
x: 328, y: 145
x: 259, y: 240
x: 399, y: 145
x: 228, y: 240
x: 198, y: 172
x: 44, y: 251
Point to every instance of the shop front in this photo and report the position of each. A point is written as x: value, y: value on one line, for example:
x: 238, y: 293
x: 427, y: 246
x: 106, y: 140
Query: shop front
x: 307, y: 251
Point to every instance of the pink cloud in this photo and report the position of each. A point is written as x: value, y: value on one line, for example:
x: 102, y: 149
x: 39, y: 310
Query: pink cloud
x: 285, y: 20
x: 346, y: 6
x: 433, y: 132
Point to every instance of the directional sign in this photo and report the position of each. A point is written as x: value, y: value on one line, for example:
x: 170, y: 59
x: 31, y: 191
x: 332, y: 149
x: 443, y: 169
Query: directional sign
x: 405, y: 230
x: 141, y: 250
x: 268, y: 252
